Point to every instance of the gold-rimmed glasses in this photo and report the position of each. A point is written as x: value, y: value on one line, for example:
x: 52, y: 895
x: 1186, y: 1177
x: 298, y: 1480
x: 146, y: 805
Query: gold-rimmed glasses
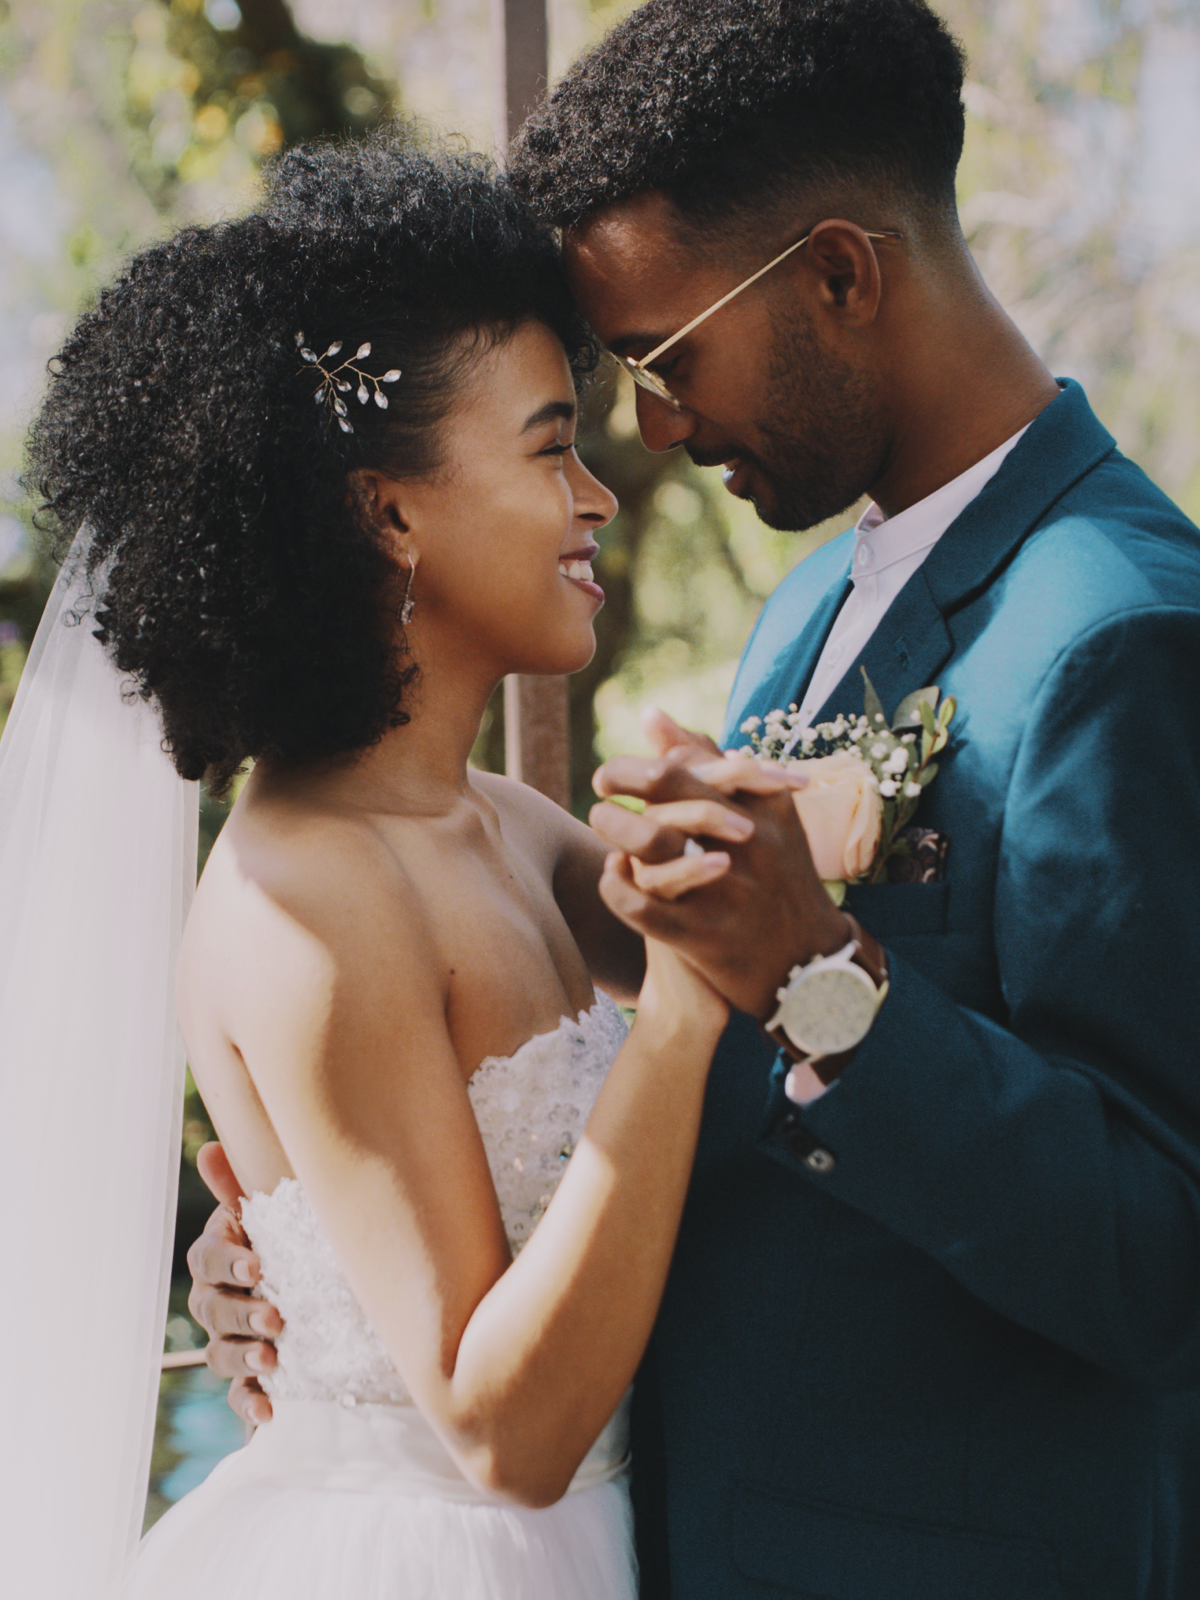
x: 639, y: 370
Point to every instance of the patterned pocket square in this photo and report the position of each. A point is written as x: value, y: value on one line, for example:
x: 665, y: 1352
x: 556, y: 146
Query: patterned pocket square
x: 925, y: 859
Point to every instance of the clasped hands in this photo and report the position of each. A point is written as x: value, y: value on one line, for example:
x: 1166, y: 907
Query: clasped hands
x: 744, y: 907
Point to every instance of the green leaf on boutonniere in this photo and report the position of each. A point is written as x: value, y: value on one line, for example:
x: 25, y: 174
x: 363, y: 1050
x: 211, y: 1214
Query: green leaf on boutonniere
x: 948, y: 708
x: 908, y: 712
x: 927, y: 719
x: 872, y: 704
x: 835, y: 889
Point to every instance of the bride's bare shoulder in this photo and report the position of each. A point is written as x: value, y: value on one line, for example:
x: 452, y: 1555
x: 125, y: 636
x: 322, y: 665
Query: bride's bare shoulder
x: 545, y: 827
x: 293, y: 884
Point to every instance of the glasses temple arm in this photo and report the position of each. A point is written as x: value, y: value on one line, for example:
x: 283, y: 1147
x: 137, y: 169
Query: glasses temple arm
x: 725, y: 299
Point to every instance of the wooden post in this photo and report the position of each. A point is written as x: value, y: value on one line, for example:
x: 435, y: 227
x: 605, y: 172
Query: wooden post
x: 536, y: 729
x: 522, y: 57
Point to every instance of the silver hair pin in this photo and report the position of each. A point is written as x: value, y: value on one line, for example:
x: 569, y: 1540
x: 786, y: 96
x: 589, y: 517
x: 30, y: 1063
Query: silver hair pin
x: 334, y: 382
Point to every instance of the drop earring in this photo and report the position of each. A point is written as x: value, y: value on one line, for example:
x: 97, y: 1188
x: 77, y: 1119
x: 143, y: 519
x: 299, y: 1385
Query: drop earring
x: 406, y: 605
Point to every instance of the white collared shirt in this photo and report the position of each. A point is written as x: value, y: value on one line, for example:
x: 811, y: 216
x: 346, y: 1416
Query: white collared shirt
x: 887, y: 551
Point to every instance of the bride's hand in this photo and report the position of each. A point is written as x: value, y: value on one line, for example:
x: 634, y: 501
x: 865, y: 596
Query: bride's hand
x: 675, y: 996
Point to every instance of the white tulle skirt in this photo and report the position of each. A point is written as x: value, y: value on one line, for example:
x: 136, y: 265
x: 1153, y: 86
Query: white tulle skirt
x: 364, y: 1503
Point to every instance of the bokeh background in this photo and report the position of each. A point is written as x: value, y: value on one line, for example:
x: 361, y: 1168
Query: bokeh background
x: 122, y: 119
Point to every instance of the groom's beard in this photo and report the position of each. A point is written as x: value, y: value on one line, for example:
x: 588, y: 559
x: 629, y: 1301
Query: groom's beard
x: 824, y: 442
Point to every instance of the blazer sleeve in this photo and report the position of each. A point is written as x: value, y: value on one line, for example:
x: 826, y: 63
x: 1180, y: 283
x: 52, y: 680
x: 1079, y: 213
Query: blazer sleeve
x: 1052, y: 1164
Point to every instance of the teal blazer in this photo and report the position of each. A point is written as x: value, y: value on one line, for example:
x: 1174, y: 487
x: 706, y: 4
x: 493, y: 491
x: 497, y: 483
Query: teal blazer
x: 961, y: 1360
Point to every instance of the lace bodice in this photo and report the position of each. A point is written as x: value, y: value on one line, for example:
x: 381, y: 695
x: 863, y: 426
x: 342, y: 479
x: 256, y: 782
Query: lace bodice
x: 531, y: 1108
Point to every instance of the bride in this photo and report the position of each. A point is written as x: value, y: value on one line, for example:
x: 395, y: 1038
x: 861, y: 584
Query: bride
x: 319, y: 468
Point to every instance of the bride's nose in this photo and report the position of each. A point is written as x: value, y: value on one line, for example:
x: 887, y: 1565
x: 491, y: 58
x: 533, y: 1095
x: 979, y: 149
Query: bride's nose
x: 594, y: 501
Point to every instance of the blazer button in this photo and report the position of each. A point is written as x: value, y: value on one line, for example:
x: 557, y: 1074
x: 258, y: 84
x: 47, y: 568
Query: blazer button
x: 820, y: 1161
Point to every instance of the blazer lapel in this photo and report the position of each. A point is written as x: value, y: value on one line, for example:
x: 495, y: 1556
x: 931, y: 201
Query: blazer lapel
x: 904, y: 653
x: 913, y: 640
x: 797, y: 668
x: 767, y: 680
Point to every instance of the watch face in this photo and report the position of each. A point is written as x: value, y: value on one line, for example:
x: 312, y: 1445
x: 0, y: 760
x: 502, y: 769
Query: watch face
x: 830, y: 1011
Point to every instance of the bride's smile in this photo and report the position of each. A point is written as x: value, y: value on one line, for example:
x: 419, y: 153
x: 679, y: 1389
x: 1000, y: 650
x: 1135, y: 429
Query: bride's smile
x: 508, y: 514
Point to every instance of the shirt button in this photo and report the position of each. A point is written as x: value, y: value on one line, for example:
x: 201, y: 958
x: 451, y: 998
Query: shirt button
x: 820, y: 1161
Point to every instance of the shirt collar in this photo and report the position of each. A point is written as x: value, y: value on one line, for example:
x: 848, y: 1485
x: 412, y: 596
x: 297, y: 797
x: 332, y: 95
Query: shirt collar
x: 881, y: 541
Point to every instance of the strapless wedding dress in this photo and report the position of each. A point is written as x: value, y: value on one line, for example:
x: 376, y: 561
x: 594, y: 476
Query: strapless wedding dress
x: 348, y: 1494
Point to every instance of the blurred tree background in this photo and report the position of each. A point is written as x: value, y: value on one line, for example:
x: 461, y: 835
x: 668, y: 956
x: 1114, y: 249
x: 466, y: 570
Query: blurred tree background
x: 120, y: 119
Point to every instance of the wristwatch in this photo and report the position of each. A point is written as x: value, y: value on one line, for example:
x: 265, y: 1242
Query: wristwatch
x: 827, y: 1007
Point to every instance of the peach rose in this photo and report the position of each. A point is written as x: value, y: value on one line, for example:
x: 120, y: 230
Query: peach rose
x: 842, y: 814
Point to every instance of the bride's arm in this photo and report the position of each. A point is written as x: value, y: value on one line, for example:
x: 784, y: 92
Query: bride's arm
x: 338, y: 1008
x: 614, y: 953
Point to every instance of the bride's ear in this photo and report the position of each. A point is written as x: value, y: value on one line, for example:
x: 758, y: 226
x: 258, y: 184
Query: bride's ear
x: 384, y: 503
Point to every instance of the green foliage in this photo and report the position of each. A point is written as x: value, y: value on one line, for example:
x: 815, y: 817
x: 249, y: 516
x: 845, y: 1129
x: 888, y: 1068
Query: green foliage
x: 209, y: 104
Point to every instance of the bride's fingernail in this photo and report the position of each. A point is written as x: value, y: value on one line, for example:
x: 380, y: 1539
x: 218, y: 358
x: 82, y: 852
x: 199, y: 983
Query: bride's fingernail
x: 254, y: 1361
x: 258, y: 1322
x: 241, y: 1271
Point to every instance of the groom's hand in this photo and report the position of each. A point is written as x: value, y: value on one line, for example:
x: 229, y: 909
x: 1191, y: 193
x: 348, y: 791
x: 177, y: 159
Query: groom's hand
x: 224, y: 1270
x: 745, y: 928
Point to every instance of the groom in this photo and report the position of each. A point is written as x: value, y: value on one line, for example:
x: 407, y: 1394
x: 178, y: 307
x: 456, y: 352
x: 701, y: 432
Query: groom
x: 933, y: 1327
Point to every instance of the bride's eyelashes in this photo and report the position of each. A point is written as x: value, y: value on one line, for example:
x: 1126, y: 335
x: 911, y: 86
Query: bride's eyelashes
x: 558, y: 449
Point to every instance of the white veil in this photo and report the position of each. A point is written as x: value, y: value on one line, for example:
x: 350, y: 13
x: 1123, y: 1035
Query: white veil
x: 97, y: 868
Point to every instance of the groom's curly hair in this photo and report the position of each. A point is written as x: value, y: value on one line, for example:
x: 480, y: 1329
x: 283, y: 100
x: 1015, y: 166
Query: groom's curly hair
x: 733, y: 107
x: 237, y: 580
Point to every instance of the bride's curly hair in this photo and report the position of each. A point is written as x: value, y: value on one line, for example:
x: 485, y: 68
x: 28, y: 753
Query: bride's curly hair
x: 238, y: 581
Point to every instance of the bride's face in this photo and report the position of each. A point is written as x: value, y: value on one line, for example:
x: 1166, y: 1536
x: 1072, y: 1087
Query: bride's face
x: 505, y: 532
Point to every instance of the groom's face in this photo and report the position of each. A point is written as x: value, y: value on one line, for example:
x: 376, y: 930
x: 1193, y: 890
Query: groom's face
x: 764, y: 391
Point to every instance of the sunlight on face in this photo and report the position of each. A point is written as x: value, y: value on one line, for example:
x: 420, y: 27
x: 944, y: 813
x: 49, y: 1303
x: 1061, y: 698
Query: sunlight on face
x: 506, y: 530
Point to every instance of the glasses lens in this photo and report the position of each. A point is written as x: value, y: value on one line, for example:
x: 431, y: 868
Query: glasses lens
x: 648, y: 380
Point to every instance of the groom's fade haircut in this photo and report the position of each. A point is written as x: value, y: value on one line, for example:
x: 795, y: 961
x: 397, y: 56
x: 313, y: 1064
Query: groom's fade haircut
x: 739, y: 110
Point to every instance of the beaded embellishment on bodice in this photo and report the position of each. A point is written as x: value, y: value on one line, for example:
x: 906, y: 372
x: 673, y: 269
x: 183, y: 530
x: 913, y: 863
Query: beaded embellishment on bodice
x: 531, y: 1108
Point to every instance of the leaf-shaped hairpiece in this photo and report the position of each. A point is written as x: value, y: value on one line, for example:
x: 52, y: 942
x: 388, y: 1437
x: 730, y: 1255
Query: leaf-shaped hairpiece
x: 335, y: 381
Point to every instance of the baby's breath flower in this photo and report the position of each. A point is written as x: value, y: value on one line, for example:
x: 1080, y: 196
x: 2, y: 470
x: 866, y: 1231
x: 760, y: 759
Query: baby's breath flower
x: 890, y: 764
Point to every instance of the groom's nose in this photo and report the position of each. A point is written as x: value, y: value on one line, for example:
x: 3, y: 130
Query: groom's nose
x: 660, y: 425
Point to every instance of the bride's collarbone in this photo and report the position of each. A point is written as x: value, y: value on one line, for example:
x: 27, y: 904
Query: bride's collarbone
x: 512, y: 968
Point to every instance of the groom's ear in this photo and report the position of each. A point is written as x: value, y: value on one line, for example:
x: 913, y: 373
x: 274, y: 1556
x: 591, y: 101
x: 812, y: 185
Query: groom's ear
x: 849, y: 281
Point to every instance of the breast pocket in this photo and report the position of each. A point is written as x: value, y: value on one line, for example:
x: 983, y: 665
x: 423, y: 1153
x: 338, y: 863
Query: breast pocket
x: 899, y: 910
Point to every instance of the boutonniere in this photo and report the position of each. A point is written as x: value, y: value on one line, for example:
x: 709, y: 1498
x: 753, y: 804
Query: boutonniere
x: 866, y: 776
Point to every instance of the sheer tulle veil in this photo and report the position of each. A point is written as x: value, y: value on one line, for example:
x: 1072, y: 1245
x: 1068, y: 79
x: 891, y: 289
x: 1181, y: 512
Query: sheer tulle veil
x: 97, y: 868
